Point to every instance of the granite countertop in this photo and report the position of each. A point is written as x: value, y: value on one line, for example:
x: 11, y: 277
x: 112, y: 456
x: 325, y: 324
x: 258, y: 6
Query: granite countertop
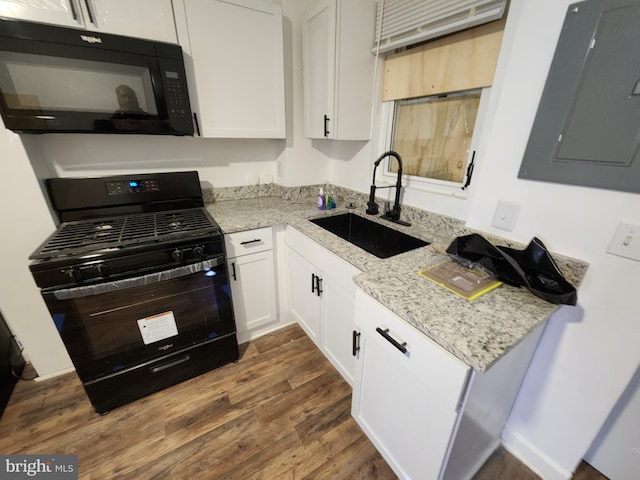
x: 478, y: 332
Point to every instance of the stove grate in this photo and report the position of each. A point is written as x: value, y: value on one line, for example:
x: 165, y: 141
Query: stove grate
x: 86, y: 236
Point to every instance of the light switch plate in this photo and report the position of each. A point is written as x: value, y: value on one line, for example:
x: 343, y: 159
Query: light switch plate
x: 626, y: 241
x: 506, y: 215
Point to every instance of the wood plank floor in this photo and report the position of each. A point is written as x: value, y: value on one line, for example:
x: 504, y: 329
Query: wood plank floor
x: 281, y: 412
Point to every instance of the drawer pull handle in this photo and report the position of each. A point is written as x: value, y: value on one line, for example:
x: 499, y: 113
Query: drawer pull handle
x: 385, y: 333
x: 247, y: 242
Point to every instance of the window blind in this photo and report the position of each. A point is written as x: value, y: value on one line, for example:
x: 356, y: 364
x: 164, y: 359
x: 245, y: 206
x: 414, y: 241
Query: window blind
x: 400, y: 23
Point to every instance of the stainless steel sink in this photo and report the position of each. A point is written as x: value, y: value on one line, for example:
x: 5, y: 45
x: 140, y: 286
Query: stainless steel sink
x: 377, y: 239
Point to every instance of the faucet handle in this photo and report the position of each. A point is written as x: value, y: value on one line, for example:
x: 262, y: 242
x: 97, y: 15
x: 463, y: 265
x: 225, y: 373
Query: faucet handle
x: 372, y: 206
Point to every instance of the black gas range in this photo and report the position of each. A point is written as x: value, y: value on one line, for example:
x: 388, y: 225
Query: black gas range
x: 135, y: 280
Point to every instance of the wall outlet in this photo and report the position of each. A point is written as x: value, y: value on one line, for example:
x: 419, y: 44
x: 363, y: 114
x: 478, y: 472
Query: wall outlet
x: 506, y: 215
x: 626, y: 241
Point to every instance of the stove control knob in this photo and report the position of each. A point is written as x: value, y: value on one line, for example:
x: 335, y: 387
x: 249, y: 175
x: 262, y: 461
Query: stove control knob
x: 177, y: 255
x: 102, y: 270
x: 74, y: 274
x: 198, y: 252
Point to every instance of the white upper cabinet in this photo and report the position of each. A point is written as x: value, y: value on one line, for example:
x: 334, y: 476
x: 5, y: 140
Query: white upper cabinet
x: 234, y: 58
x: 149, y: 19
x: 338, y: 69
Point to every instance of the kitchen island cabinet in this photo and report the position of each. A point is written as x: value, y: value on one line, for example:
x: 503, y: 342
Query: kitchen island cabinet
x: 148, y: 19
x: 234, y: 60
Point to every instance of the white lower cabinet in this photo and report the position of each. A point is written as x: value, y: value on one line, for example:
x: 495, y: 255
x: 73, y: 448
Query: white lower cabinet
x: 321, y: 293
x: 250, y: 263
x: 407, y: 392
x: 429, y: 414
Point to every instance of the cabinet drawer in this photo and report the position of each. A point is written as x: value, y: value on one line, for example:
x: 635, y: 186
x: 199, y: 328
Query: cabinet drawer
x: 441, y: 372
x: 251, y: 241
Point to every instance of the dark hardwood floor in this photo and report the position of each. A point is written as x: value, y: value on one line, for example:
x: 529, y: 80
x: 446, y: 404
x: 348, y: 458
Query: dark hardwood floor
x: 281, y: 412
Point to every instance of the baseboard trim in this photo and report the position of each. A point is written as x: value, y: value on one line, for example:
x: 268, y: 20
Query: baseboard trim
x: 532, y: 457
x: 53, y: 375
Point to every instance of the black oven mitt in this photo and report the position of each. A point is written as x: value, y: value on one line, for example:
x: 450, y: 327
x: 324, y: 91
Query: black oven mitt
x: 533, y: 267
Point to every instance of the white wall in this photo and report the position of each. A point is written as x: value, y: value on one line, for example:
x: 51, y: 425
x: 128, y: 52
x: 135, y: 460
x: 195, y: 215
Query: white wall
x: 588, y: 354
x: 26, y: 222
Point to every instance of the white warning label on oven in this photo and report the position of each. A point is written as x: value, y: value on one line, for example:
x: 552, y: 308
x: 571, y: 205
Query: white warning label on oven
x: 157, y: 327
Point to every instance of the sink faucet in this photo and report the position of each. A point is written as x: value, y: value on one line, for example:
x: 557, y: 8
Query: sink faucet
x: 372, y: 207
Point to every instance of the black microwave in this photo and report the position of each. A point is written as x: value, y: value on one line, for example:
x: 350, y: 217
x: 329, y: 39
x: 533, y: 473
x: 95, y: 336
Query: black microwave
x: 64, y: 80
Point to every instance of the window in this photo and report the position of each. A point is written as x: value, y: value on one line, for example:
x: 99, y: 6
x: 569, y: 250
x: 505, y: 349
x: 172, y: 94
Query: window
x: 433, y: 135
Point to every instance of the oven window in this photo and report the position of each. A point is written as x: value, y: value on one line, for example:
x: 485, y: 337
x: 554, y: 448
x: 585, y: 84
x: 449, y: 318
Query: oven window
x: 111, y: 320
x: 37, y: 82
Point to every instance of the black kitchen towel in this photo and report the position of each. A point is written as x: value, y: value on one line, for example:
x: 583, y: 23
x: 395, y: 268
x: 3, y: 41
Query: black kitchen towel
x: 532, y: 268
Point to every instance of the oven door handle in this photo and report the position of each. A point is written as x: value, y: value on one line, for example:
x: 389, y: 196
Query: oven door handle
x: 167, y: 365
x: 142, y: 280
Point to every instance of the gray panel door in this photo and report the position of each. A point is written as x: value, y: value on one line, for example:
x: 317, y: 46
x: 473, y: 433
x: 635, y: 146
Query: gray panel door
x: 587, y: 129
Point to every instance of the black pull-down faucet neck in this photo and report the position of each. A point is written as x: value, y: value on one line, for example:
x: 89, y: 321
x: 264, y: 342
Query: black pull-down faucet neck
x: 372, y: 206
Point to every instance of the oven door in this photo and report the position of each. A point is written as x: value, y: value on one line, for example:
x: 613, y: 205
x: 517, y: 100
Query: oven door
x: 110, y: 326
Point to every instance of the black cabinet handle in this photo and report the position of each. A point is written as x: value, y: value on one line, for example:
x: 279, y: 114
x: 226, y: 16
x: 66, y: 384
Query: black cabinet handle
x: 385, y: 333
x: 255, y: 240
x: 356, y: 343
x: 326, y: 126
x: 316, y: 284
x: 195, y: 119
x: 233, y: 268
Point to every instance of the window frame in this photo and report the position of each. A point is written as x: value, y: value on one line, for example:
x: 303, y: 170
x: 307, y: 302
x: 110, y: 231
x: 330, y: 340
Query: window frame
x: 432, y: 185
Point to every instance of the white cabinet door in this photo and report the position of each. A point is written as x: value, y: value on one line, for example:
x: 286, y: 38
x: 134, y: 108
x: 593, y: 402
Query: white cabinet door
x: 304, y: 299
x: 319, y: 36
x: 407, y: 401
x: 235, y: 66
x: 61, y: 12
x: 253, y: 291
x: 252, y: 278
x: 338, y: 69
x: 338, y: 327
x: 321, y: 292
x: 150, y: 19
